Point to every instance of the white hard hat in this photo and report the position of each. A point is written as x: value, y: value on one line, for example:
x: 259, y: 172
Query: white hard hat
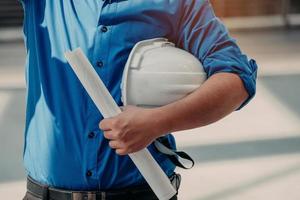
x: 157, y: 73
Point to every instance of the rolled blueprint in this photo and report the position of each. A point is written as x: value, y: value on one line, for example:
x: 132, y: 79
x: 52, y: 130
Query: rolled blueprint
x: 148, y: 167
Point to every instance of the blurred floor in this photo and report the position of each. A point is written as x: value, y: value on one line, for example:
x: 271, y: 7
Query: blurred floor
x: 252, y: 154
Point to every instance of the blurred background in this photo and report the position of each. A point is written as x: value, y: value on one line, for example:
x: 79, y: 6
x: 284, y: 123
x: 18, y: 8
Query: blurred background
x: 252, y: 154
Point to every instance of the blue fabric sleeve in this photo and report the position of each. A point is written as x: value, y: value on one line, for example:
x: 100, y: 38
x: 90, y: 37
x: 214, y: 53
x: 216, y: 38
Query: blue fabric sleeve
x: 205, y: 36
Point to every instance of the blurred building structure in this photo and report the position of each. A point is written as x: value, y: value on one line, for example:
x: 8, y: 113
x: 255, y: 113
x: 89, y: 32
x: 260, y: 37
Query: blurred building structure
x: 240, y: 8
x: 11, y: 13
x: 263, y: 13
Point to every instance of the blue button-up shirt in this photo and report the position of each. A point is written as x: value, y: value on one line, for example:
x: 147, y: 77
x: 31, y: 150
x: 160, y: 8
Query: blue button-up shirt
x: 63, y: 144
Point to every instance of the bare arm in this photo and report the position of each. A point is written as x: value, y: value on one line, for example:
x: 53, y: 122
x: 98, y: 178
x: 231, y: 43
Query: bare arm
x: 135, y: 128
x: 221, y: 94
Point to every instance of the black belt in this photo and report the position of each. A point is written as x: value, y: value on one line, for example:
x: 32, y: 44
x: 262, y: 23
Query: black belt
x: 140, y: 192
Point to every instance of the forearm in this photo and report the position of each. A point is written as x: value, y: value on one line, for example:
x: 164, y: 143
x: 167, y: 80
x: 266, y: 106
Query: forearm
x: 220, y: 95
x: 135, y: 128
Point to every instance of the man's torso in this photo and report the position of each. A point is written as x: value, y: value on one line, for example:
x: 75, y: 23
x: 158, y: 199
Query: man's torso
x: 63, y: 144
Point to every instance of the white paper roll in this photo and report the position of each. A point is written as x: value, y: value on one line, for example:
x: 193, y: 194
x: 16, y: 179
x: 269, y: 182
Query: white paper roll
x: 148, y: 167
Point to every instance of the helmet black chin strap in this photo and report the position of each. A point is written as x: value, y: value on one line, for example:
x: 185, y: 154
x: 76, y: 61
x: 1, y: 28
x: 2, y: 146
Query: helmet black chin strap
x: 162, y: 145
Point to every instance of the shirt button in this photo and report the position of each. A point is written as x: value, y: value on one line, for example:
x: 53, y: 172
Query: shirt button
x: 89, y: 173
x: 104, y: 29
x: 91, y: 135
x: 99, y: 64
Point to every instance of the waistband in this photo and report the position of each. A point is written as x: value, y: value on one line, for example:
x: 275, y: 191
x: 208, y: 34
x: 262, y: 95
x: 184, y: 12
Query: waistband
x: 138, y: 192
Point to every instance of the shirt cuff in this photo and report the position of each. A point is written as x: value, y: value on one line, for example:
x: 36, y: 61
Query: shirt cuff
x: 248, y: 79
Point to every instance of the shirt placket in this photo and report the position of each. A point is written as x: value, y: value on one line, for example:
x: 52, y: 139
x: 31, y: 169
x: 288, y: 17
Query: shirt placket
x: 102, y: 40
x: 100, y: 64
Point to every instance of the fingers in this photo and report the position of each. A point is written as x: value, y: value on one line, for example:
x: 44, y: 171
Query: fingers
x: 116, y: 144
x: 121, y: 152
x: 120, y: 147
x: 105, y: 124
x: 110, y: 135
x: 128, y: 149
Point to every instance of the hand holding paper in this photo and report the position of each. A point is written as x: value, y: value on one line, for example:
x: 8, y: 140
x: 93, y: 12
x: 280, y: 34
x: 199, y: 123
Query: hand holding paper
x: 132, y: 130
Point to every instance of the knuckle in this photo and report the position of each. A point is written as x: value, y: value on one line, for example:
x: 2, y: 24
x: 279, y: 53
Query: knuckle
x: 116, y: 122
x: 118, y: 133
x: 120, y: 125
x: 129, y: 147
x: 126, y: 146
x: 123, y: 135
x: 125, y: 139
x: 124, y: 124
x: 125, y: 151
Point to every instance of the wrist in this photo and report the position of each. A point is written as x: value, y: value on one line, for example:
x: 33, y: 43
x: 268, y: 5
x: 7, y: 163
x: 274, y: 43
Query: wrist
x: 161, y: 121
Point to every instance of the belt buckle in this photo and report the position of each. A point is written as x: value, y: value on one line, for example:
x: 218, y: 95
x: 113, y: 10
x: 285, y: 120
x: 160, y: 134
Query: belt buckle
x: 84, y: 196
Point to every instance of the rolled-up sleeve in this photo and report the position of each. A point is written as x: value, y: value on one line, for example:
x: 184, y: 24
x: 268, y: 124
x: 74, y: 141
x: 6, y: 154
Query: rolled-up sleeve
x: 204, y: 35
